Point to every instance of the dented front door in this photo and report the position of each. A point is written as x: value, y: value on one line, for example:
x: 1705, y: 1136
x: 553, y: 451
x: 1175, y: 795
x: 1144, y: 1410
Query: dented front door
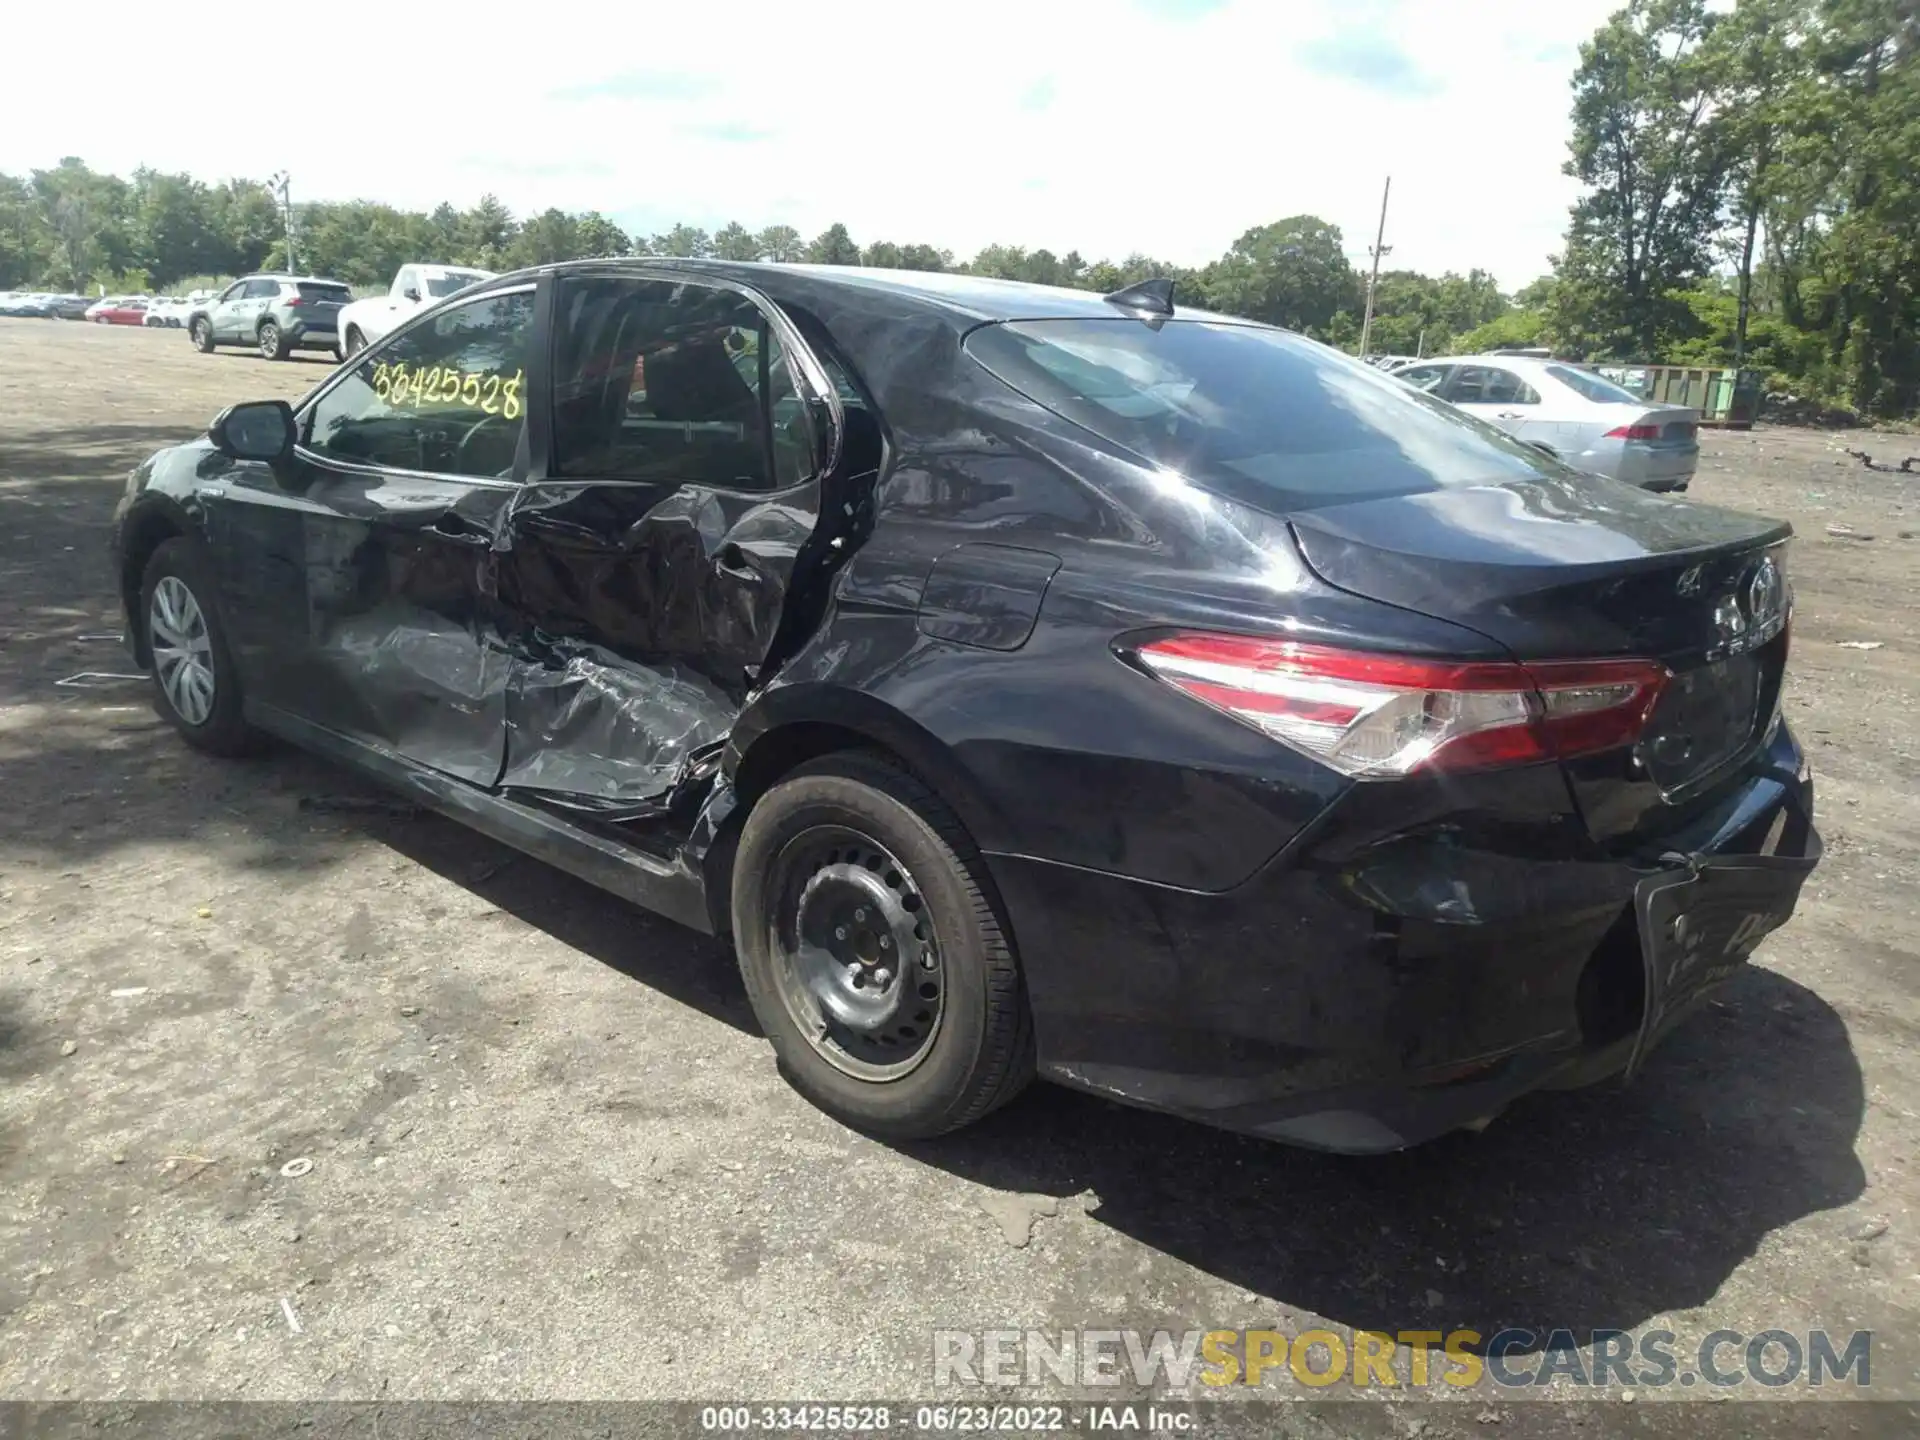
x: 645, y: 574
x: 406, y: 466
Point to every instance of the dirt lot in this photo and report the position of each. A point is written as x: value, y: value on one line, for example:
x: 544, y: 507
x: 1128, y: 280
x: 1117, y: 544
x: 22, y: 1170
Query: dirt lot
x: 551, y: 1158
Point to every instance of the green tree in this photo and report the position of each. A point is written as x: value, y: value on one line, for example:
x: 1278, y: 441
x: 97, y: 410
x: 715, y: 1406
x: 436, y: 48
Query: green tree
x: 782, y: 243
x: 684, y: 242
x: 734, y: 241
x: 1653, y: 167
x: 486, y: 232
x: 1293, y: 273
x: 833, y: 246
x: 598, y: 237
x: 924, y: 257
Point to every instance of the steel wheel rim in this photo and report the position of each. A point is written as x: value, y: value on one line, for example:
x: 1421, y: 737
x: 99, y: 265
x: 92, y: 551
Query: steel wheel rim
x: 856, y: 961
x: 182, y: 650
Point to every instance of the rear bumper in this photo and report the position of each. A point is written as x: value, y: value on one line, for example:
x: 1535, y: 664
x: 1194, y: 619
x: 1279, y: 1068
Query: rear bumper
x: 305, y: 335
x: 1656, y: 467
x: 1363, y: 1002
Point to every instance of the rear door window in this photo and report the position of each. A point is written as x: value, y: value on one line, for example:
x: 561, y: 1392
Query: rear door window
x: 1266, y: 416
x: 663, y: 382
x: 1594, y: 387
x: 1490, y: 385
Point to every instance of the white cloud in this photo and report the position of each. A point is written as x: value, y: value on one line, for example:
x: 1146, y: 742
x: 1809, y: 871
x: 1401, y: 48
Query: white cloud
x: 1167, y: 126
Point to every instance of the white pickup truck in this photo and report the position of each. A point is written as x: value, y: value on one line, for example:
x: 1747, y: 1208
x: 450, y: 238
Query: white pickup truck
x: 365, y: 321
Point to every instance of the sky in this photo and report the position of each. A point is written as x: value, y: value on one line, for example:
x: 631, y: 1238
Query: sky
x: 1107, y: 126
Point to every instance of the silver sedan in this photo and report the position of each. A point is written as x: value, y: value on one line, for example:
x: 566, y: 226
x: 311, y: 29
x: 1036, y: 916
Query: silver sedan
x: 1571, y: 413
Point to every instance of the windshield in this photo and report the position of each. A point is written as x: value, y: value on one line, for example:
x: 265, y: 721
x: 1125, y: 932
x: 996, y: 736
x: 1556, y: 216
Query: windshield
x: 1259, y: 414
x: 1594, y: 387
x: 451, y: 284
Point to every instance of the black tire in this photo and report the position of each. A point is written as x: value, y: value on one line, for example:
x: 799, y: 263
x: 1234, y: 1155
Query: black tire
x: 355, y: 342
x: 981, y: 1053
x: 201, y: 333
x: 273, y: 341
x: 222, y: 731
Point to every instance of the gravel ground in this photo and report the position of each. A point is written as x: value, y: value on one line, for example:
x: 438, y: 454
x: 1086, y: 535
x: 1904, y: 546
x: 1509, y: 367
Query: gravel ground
x: 307, y: 1104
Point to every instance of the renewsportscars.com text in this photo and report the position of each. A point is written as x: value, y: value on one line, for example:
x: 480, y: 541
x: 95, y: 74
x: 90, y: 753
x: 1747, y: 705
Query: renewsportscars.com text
x: 1512, y: 1358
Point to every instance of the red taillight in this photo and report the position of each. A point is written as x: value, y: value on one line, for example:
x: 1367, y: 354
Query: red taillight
x: 293, y: 303
x: 1634, y: 432
x: 1383, y: 716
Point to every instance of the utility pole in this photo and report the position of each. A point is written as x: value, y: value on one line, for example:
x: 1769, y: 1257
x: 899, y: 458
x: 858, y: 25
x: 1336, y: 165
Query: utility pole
x: 1380, y: 248
x: 280, y: 183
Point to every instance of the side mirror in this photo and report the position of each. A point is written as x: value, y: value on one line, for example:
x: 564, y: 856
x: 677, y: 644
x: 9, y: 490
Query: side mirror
x: 411, y: 293
x: 257, y: 430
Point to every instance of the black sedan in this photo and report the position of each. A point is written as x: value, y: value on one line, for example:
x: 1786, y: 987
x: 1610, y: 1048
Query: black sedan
x: 1025, y: 680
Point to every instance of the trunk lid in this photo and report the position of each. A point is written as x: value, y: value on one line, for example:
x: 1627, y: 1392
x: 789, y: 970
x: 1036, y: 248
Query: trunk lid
x: 1577, y: 568
x: 1656, y: 426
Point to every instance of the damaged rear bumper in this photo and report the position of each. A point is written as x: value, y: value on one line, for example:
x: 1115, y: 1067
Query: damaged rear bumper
x: 1365, y: 1006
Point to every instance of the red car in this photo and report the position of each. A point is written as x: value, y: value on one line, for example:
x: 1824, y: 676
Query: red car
x: 129, y: 311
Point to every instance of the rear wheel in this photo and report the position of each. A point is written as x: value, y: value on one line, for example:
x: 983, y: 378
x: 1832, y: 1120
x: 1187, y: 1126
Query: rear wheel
x: 195, y: 685
x: 876, y: 962
x: 202, y: 334
x: 273, y: 341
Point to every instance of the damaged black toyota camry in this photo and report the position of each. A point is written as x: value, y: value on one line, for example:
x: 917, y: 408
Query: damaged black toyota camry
x: 1026, y: 681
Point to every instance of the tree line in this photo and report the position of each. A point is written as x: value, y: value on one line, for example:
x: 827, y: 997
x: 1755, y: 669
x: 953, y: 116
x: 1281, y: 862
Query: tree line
x: 72, y: 228
x: 1751, y: 183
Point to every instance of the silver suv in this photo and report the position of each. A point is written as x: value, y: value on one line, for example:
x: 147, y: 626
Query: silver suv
x: 277, y: 314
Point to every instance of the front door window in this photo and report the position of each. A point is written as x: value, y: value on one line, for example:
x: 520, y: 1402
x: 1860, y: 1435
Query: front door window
x: 444, y: 398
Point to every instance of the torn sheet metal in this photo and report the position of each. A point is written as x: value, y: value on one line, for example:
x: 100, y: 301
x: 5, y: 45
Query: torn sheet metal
x: 428, y: 687
x: 609, y: 735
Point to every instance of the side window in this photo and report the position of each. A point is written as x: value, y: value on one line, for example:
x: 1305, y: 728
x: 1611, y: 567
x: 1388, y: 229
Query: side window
x: 668, y: 383
x: 1484, y: 385
x: 261, y: 289
x: 1422, y: 377
x: 446, y: 398
x: 408, y: 280
x: 1506, y: 388
x: 232, y: 292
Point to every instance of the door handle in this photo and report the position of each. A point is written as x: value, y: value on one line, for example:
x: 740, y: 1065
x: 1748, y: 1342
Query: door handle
x: 1510, y: 415
x: 456, y: 526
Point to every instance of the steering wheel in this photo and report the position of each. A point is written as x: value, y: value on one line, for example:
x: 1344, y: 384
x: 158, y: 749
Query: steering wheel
x: 467, y: 438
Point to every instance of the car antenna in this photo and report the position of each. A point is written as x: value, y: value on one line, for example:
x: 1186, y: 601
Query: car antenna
x: 1151, y: 297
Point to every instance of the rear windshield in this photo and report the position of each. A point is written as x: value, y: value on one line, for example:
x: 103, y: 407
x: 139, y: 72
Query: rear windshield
x: 326, y: 294
x: 1593, y: 386
x: 1258, y: 414
x: 439, y: 285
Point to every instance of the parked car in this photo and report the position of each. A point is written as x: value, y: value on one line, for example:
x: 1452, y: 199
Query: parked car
x: 169, y: 312
x: 414, y: 286
x: 32, y: 305
x: 1023, y: 679
x: 71, y: 307
x: 1571, y: 413
x: 277, y: 314
x: 121, y: 310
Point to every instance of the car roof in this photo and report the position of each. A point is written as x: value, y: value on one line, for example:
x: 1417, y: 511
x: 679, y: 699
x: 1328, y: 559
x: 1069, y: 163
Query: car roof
x: 1496, y: 357
x: 966, y: 297
x: 292, y: 279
